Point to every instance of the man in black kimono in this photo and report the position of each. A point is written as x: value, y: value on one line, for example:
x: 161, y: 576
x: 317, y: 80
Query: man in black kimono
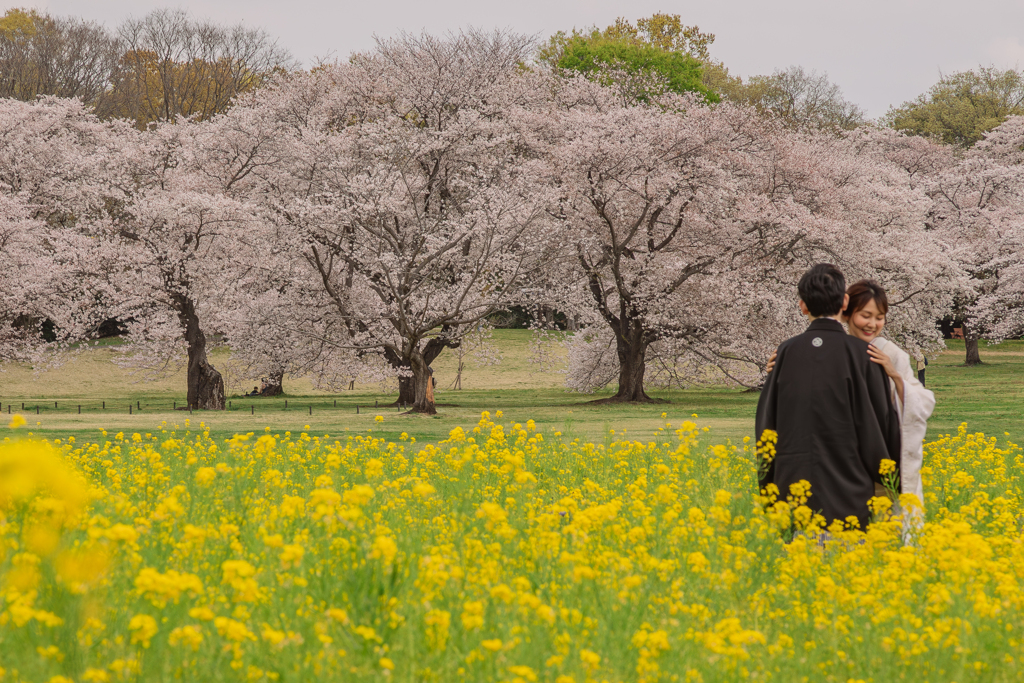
x: 830, y: 406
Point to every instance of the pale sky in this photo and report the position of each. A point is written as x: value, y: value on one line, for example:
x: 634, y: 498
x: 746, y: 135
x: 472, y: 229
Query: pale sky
x: 880, y: 52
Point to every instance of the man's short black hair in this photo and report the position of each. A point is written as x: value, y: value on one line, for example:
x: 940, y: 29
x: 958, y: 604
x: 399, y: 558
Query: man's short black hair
x: 821, y: 289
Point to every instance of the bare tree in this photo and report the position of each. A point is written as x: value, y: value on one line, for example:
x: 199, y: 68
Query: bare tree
x: 175, y: 65
x: 801, y: 99
x: 64, y: 56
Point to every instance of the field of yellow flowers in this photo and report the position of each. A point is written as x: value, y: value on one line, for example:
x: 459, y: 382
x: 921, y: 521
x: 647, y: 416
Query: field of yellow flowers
x: 501, y: 554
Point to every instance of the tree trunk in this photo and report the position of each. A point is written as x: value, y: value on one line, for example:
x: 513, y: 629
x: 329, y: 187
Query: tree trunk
x: 205, y: 384
x: 406, y: 391
x: 632, y: 352
x: 424, y: 401
x: 549, y: 317
x: 275, y: 384
x: 409, y: 385
x: 971, y: 344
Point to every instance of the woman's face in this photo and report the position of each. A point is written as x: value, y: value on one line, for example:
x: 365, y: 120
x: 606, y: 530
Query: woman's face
x: 867, y: 323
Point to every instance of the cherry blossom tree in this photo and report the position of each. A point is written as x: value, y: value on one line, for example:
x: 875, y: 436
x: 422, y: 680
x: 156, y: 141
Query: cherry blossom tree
x: 277, y: 322
x: 643, y: 192
x: 410, y: 194
x: 163, y: 242
x: 979, y: 212
x: 889, y: 208
x: 692, y: 225
x: 54, y: 162
x: 19, y: 329
x: 170, y: 243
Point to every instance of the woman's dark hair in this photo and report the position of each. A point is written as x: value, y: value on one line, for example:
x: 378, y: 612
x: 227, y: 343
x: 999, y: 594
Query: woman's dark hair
x: 821, y: 289
x: 862, y: 292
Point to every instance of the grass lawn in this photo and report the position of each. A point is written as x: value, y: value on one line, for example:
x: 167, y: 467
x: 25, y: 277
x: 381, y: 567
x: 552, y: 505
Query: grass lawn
x: 989, y: 398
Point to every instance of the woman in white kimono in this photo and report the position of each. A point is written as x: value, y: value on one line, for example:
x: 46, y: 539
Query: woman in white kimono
x: 865, y: 318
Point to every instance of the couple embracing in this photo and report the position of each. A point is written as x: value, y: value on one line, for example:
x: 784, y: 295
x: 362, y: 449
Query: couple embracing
x: 842, y: 403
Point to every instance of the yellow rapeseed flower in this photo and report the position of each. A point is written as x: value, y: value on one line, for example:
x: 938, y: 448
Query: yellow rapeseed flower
x: 143, y: 627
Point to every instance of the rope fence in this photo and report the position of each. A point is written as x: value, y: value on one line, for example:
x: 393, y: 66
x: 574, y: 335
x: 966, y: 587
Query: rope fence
x: 74, y: 406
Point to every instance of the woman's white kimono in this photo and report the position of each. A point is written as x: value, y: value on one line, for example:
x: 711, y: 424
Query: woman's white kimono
x: 914, y: 412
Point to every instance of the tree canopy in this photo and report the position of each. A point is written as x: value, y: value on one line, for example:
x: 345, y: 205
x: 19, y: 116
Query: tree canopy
x: 663, y: 47
x: 962, y: 107
x: 800, y: 99
x: 174, y: 65
x: 660, y: 47
x: 164, y: 65
x: 45, y: 55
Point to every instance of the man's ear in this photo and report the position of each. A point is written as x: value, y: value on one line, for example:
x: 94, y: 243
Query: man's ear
x: 846, y: 303
x: 804, y: 309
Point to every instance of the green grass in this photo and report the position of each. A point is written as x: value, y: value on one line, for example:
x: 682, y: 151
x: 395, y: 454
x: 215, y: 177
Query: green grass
x: 989, y: 398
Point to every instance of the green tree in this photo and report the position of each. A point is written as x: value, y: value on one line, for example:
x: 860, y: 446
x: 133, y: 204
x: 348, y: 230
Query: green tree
x: 962, y: 107
x: 660, y: 46
x: 665, y: 31
x: 601, y: 57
